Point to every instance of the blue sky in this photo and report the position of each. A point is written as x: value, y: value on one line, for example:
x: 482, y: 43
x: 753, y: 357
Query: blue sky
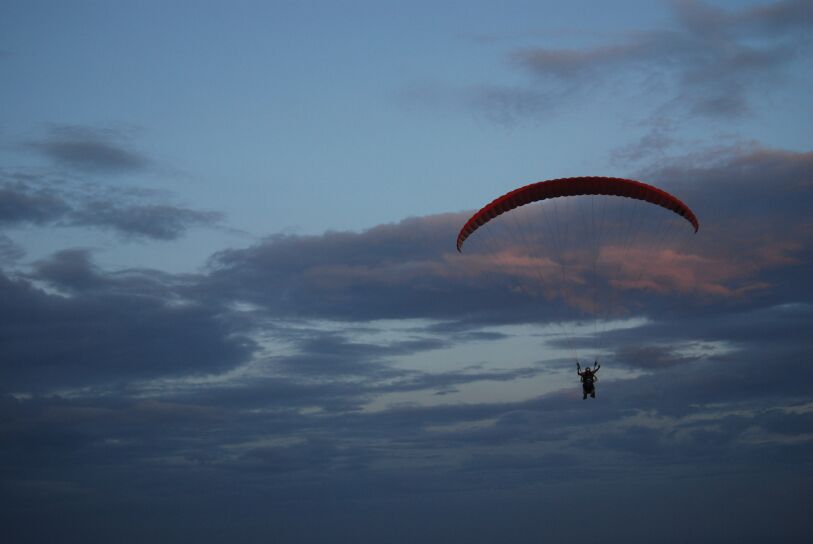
x: 233, y: 309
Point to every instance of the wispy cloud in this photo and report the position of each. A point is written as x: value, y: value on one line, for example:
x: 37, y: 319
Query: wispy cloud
x: 38, y: 200
x: 21, y: 203
x: 156, y: 221
x: 9, y: 251
x: 712, y: 61
x: 89, y: 150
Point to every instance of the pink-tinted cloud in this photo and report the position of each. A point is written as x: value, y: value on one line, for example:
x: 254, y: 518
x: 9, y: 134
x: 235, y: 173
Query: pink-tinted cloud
x: 753, y: 206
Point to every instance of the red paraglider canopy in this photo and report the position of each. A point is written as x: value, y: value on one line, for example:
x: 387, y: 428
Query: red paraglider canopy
x: 585, y: 185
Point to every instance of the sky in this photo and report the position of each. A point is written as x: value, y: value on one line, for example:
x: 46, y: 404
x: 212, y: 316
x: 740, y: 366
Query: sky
x: 233, y: 311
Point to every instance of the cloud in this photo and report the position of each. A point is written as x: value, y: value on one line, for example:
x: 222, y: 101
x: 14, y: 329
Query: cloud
x: 766, y: 328
x: 247, y: 391
x: 467, y: 456
x: 753, y: 245
x: 388, y: 271
x: 713, y: 59
x: 156, y: 221
x: 670, y: 271
x: 651, y: 357
x: 89, y: 150
x: 107, y: 329
x: 131, y: 214
x: 71, y: 270
x: 9, y: 251
x: 77, y: 326
x: 573, y: 64
x: 21, y: 203
x: 752, y: 203
x: 48, y: 200
x: 656, y: 141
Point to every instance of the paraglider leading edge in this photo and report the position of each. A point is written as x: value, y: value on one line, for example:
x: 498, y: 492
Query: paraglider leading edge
x: 585, y: 185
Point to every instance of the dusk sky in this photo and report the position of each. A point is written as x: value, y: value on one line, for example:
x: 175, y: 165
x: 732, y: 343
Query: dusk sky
x: 232, y: 310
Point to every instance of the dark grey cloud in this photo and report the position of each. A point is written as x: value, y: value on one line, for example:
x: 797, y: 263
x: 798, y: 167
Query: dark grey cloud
x: 765, y: 327
x: 515, y: 455
x: 9, y: 251
x: 330, y: 354
x: 651, y: 357
x: 390, y: 271
x: 157, y: 221
x: 107, y: 330
x: 505, y: 105
x: 708, y: 65
x: 95, y: 328
x: 20, y: 203
x: 571, y: 64
x: 81, y: 451
x: 90, y: 150
x: 659, y: 137
x: 783, y: 174
x: 784, y: 422
x: 128, y: 213
x: 71, y: 270
x: 191, y: 406
x: 43, y: 199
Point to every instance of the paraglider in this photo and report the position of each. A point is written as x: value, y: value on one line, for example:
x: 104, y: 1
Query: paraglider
x: 587, y: 185
x: 588, y: 378
x: 582, y: 243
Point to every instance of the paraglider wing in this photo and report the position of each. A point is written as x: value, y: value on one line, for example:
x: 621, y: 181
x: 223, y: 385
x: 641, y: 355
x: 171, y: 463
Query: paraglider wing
x: 586, y: 185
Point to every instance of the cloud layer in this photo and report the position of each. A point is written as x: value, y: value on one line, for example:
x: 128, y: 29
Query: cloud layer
x: 261, y: 385
x: 80, y: 194
x: 708, y: 64
x: 377, y: 385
